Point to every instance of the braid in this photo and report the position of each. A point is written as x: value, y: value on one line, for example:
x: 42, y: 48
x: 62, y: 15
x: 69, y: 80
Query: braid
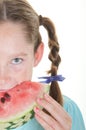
x: 53, y: 57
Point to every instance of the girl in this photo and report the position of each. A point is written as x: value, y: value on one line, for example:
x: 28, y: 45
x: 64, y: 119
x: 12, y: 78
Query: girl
x: 21, y: 49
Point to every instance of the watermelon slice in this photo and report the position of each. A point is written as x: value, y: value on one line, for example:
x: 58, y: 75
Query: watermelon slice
x: 16, y: 104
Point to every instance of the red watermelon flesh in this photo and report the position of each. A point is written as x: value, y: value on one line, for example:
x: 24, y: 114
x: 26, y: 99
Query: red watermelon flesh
x: 19, y: 100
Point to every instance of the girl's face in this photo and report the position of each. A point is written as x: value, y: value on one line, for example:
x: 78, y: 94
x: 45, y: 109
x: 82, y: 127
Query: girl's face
x: 17, y: 57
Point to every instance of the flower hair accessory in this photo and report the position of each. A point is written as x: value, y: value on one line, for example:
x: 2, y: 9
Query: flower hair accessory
x: 48, y: 79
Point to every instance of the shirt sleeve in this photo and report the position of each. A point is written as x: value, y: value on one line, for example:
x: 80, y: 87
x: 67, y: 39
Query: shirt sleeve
x: 75, y: 113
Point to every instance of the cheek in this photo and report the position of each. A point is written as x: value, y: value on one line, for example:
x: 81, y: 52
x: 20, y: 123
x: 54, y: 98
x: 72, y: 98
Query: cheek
x: 24, y: 75
x: 22, y: 72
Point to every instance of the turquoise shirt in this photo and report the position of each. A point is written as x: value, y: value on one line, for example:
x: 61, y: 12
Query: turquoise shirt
x: 70, y: 107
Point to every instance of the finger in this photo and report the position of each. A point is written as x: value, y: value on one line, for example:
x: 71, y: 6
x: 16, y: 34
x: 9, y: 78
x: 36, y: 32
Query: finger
x: 63, y: 116
x: 55, y: 110
x: 43, y: 123
x: 46, y: 120
x: 54, y: 104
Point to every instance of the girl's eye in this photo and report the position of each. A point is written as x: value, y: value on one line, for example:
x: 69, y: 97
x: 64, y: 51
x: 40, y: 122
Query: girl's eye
x: 17, y: 61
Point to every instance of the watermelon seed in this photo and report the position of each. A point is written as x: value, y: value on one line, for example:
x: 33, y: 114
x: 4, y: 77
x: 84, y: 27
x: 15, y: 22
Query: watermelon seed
x: 3, y: 100
x: 18, y: 90
x: 7, y: 96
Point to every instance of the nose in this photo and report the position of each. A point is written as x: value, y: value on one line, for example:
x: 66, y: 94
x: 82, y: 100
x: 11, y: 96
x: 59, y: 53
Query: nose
x: 7, y: 80
x: 4, y: 77
x: 4, y: 74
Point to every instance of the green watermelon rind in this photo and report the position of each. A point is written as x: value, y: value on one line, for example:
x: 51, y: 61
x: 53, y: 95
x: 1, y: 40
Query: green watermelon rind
x: 21, y: 118
x: 19, y: 115
x: 18, y: 120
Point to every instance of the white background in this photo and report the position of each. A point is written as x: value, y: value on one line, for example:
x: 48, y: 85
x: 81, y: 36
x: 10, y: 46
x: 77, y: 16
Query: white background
x: 69, y: 18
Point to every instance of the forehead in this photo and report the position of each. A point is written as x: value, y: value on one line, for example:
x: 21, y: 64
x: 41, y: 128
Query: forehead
x: 8, y: 29
x: 13, y: 37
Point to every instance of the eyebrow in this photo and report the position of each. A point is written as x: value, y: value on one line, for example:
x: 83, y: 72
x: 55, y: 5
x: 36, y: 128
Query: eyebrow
x: 19, y: 54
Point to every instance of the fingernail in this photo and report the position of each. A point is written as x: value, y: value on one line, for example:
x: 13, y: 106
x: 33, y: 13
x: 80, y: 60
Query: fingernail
x: 36, y: 109
x: 46, y: 95
x: 39, y: 100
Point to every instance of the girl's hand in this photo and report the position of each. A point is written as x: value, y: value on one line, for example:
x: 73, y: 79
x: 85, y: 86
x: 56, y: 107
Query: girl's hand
x: 59, y: 119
